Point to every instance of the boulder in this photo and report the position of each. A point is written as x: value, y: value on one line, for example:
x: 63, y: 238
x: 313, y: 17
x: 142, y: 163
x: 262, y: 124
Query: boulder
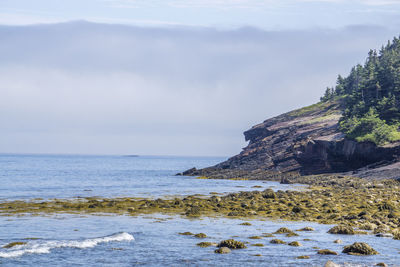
x: 342, y: 229
x: 295, y: 244
x: 222, y: 250
x: 327, y: 252
x: 231, y: 243
x: 200, y: 235
x: 331, y: 264
x: 306, y: 229
x: 277, y: 241
x: 359, y: 248
x: 283, y: 230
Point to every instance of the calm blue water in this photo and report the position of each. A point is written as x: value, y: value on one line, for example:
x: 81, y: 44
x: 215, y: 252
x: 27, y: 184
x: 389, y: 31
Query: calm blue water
x: 151, y: 240
x: 68, y: 176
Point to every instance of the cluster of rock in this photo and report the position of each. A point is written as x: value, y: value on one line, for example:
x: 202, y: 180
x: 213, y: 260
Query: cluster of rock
x: 357, y: 248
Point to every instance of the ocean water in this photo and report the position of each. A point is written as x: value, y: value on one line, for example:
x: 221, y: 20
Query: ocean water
x: 148, y: 240
x: 70, y: 176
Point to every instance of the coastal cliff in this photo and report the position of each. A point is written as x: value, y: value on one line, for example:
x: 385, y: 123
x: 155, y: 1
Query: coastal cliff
x: 354, y: 130
x: 306, y: 141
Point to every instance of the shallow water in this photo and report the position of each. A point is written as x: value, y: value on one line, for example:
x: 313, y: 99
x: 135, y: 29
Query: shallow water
x: 77, y: 240
x: 110, y: 240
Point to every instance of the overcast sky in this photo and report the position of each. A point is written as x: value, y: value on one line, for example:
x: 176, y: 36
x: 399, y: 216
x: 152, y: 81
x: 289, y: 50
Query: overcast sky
x: 171, y: 77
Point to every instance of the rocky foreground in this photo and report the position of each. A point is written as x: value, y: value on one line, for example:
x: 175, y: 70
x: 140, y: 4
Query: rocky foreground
x: 345, y: 201
x: 306, y: 141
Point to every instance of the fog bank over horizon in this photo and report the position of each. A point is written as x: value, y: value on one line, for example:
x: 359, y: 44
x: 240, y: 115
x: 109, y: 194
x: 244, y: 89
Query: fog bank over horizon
x: 90, y: 88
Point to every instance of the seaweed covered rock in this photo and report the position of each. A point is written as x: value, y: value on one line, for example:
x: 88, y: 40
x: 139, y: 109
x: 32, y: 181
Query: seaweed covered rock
x: 283, y: 230
x: 331, y: 264
x: 327, y: 252
x: 222, y: 250
x: 381, y: 229
x: 193, y: 212
x: 269, y: 193
x: 342, y: 230
x: 359, y: 248
x: 306, y: 229
x: 200, y: 235
x: 13, y: 244
x: 277, y: 241
x: 205, y: 244
x: 292, y: 234
x: 231, y: 243
x: 304, y: 257
x: 295, y: 244
x: 186, y: 233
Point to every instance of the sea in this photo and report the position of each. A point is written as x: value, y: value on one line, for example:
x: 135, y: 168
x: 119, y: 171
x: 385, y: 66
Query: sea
x: 150, y: 240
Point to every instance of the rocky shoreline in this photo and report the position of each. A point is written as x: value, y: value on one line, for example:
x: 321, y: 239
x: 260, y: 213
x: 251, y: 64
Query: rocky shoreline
x: 348, y: 201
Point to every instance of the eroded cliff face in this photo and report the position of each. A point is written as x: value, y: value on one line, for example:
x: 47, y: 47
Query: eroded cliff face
x: 302, y: 142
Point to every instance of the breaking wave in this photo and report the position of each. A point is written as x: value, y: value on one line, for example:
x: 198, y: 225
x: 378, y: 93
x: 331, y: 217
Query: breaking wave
x: 45, y: 247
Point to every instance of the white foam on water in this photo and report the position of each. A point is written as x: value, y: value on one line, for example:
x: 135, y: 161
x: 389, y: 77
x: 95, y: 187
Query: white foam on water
x: 45, y: 247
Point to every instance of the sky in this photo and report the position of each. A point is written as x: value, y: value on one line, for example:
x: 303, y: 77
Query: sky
x: 171, y: 77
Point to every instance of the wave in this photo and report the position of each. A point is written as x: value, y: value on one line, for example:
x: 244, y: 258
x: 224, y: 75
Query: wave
x: 45, y: 247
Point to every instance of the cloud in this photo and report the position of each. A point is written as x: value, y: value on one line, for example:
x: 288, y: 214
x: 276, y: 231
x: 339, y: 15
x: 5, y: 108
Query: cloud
x: 220, y: 4
x: 96, y: 88
x: 235, y: 4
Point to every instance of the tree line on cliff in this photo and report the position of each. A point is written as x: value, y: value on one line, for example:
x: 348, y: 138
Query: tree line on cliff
x: 371, y: 97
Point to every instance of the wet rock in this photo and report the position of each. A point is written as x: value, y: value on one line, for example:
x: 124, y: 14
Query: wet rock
x: 193, y: 212
x: 396, y: 234
x: 131, y: 209
x: 236, y: 214
x: 383, y: 228
x: 295, y: 244
x: 327, y: 252
x: 267, y: 235
x: 368, y: 226
x: 269, y: 193
x: 188, y: 172
x: 13, y: 244
x: 331, y: 264
x: 306, y: 229
x: 277, y: 241
x: 231, y: 243
x: 386, y: 206
x: 292, y: 234
x: 186, y: 233
x: 222, y: 250
x: 206, y: 244
x: 216, y: 199
x: 283, y: 230
x: 382, y: 264
x: 258, y: 245
x: 303, y: 257
x: 360, y: 248
x: 338, y: 241
x: 388, y: 235
x: 255, y: 237
x: 200, y: 235
x: 342, y: 229
x: 296, y: 209
x: 246, y: 224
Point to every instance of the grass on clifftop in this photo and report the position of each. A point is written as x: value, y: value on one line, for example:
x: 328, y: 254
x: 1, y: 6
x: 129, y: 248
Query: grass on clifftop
x: 328, y: 108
